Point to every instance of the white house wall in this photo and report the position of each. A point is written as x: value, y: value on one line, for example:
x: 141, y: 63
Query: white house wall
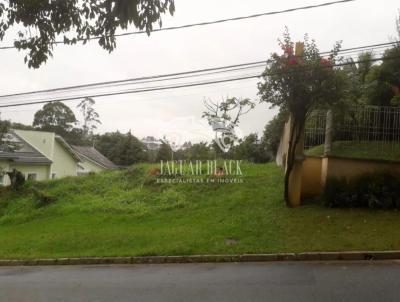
x: 63, y: 162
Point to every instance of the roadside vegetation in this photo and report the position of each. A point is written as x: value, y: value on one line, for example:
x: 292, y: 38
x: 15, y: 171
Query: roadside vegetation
x: 125, y: 213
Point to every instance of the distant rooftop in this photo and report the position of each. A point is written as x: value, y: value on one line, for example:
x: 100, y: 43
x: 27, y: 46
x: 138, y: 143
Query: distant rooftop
x: 94, y: 155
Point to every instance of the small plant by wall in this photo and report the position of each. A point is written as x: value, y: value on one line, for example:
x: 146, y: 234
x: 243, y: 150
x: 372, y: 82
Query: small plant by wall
x: 379, y: 191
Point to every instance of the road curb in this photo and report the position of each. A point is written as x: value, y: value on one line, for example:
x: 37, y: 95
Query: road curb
x: 311, y: 256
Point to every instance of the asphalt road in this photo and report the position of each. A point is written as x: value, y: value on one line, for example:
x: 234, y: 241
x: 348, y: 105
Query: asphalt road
x: 294, y: 281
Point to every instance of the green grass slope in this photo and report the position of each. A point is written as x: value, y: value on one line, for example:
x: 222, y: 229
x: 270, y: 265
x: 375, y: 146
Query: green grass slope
x: 126, y: 213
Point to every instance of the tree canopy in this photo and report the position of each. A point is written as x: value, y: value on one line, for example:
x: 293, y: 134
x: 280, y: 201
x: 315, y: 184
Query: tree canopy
x: 165, y: 152
x: 43, y: 22
x: 122, y: 149
x: 299, y: 83
x: 90, y: 117
x: 225, y: 117
x: 56, y: 117
x: 273, y: 132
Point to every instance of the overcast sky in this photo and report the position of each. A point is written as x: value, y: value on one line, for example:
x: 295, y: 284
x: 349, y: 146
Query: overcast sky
x: 357, y: 23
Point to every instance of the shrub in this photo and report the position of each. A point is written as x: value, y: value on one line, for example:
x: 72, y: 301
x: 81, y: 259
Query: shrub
x: 42, y: 199
x: 170, y: 199
x: 154, y: 171
x: 17, y: 179
x: 379, y: 191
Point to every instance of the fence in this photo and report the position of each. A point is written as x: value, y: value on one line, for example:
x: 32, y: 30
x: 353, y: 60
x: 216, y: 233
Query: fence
x: 359, y: 131
x: 314, y: 131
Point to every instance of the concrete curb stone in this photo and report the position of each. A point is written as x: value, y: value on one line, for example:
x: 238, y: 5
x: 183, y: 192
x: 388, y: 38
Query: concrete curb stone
x: 307, y: 256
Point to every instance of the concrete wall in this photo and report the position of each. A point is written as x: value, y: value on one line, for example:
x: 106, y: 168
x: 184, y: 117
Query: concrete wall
x: 352, y: 168
x: 316, y: 170
x: 64, y: 164
x: 311, y: 179
x: 283, y: 146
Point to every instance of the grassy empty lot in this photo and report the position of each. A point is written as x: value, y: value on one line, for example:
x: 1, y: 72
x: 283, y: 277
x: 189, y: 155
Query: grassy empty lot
x: 125, y: 213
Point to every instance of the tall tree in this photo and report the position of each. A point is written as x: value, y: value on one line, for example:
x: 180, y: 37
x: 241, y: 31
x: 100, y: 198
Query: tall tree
x: 300, y: 83
x: 47, y: 23
x: 165, y: 152
x: 199, y: 151
x: 122, y: 149
x: 273, y: 132
x: 225, y: 117
x: 251, y: 148
x: 356, y: 78
x: 382, y: 82
x: 90, y: 117
x: 56, y: 117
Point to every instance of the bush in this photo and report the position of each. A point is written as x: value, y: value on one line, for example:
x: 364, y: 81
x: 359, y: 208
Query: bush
x: 170, y: 199
x: 17, y: 179
x: 42, y: 199
x: 381, y: 191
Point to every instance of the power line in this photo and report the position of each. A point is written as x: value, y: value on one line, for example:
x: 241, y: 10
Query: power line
x: 161, y: 88
x: 87, y: 94
x: 181, y: 75
x: 214, y: 22
x: 231, y: 86
x: 174, y: 76
x: 123, y: 83
x: 365, y: 48
x: 155, y: 88
x: 138, y: 79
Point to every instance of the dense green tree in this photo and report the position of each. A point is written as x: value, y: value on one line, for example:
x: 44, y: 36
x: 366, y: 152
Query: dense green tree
x: 382, y: 82
x: 218, y: 152
x: 251, y: 149
x: 43, y: 22
x: 356, y: 73
x: 75, y: 136
x: 273, y: 133
x: 55, y: 117
x: 21, y: 126
x: 59, y: 118
x: 199, y: 151
x: 122, y: 149
x: 300, y: 83
x: 165, y: 152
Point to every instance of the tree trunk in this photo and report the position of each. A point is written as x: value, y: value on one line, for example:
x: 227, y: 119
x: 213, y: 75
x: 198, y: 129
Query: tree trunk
x: 296, y: 129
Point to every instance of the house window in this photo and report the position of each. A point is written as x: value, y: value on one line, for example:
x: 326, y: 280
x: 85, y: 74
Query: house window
x: 32, y: 176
